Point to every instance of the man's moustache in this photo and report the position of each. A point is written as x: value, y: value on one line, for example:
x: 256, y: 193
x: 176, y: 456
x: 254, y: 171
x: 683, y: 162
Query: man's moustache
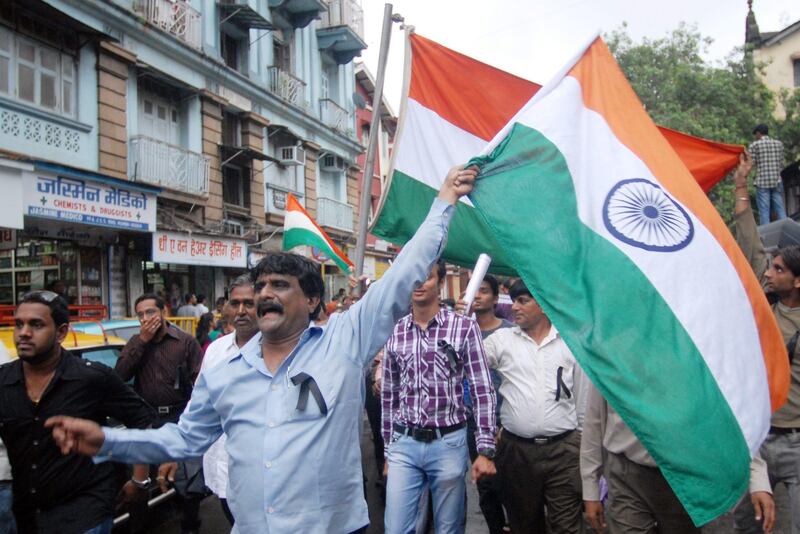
x: 269, y: 306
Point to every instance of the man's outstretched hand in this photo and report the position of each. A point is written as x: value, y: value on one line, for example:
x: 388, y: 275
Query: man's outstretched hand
x: 459, y: 182
x: 73, y: 435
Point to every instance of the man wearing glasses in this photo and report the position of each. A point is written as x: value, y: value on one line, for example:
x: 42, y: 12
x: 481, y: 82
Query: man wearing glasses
x: 55, y: 493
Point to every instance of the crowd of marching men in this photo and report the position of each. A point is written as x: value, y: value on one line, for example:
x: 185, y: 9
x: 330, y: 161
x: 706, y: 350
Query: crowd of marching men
x: 268, y: 415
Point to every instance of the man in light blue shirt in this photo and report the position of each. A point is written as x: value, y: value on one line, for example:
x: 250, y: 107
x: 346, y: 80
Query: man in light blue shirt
x: 290, y: 402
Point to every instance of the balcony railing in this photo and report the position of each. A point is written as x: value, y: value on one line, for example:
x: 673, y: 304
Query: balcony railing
x: 334, y: 214
x: 343, y: 13
x: 174, y: 16
x: 287, y: 86
x: 158, y: 163
x: 334, y: 115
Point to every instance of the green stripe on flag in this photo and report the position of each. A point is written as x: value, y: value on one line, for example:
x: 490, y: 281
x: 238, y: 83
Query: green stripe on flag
x: 294, y: 237
x: 622, y: 332
x: 406, y: 206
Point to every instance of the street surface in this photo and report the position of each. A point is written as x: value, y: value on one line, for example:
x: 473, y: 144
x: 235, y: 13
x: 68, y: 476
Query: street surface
x: 215, y: 523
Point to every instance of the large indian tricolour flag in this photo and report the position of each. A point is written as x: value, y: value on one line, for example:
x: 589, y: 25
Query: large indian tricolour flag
x: 633, y: 265
x: 452, y: 106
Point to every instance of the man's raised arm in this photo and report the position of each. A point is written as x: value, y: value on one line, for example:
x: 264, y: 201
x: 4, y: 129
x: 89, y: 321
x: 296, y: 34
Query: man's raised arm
x: 374, y: 316
x: 745, y: 223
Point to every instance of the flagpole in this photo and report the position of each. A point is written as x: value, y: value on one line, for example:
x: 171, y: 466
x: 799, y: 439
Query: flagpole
x: 369, y: 163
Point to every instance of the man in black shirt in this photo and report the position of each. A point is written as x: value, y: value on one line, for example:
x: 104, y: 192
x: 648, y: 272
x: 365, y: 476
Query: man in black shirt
x: 52, y: 492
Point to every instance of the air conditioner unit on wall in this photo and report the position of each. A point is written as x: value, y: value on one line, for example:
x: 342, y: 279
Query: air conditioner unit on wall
x: 332, y: 163
x: 291, y: 155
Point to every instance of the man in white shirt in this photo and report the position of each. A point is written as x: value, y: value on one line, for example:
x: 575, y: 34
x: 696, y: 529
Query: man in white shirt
x: 241, y: 312
x: 639, y: 497
x: 201, y: 304
x: 544, y: 392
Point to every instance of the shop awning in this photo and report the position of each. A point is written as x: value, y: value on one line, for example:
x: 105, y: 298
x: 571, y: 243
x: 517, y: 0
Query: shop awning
x: 232, y: 154
x: 242, y: 15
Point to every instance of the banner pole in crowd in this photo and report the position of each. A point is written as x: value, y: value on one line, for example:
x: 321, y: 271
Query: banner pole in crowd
x: 481, y: 266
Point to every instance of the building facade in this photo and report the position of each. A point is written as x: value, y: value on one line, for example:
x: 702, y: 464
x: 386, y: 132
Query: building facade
x: 778, y: 52
x: 149, y: 145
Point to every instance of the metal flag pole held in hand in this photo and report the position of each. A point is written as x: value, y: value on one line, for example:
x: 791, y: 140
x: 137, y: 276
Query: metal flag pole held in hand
x: 369, y: 163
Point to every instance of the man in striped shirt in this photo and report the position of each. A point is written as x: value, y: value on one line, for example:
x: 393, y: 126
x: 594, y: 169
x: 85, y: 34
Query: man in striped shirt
x: 424, y: 419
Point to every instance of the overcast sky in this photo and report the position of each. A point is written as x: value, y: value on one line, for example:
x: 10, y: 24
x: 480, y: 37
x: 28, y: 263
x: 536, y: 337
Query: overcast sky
x: 533, y: 38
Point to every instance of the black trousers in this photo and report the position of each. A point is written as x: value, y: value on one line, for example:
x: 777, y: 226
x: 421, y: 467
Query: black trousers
x: 489, y: 489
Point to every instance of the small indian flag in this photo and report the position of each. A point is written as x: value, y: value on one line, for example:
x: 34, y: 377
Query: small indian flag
x: 300, y: 229
x: 633, y: 265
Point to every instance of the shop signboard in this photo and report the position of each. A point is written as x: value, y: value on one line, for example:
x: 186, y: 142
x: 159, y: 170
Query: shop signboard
x: 77, y: 200
x: 193, y: 249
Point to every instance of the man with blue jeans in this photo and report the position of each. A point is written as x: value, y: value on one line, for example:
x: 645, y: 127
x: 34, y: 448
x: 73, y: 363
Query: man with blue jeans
x: 290, y: 402
x: 424, y: 417
x: 767, y: 155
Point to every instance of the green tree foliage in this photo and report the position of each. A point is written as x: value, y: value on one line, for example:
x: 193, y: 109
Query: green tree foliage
x: 788, y: 129
x: 722, y: 102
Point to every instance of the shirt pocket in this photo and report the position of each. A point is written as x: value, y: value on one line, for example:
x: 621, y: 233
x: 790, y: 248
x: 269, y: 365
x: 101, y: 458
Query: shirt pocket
x: 447, y: 359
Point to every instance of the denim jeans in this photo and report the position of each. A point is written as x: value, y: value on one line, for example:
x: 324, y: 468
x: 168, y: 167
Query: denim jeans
x: 7, y: 524
x: 103, y: 528
x: 768, y: 200
x: 442, y: 463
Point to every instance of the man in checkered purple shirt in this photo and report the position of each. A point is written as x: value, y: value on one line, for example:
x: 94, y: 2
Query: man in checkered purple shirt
x: 767, y: 154
x: 424, y: 419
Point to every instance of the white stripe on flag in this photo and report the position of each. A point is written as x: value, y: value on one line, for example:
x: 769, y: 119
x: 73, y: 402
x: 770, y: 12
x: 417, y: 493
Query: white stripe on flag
x: 431, y: 146
x: 295, y: 220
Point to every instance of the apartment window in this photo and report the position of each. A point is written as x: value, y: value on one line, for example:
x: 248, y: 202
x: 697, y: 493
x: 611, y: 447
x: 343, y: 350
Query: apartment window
x: 231, y: 130
x: 6, y: 61
x: 330, y: 82
x: 159, y: 117
x: 796, y: 64
x: 36, y: 74
x: 235, y: 46
x: 324, y: 84
x: 330, y: 185
x: 365, y: 133
x: 283, y: 50
x: 236, y: 186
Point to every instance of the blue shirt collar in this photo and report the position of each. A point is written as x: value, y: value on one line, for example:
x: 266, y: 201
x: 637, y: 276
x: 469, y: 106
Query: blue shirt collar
x: 251, y: 352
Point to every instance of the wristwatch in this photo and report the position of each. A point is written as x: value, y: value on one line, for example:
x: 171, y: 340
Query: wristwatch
x: 489, y: 453
x: 142, y: 484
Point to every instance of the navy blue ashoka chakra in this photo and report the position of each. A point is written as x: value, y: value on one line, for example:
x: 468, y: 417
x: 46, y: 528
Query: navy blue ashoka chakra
x: 641, y: 214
